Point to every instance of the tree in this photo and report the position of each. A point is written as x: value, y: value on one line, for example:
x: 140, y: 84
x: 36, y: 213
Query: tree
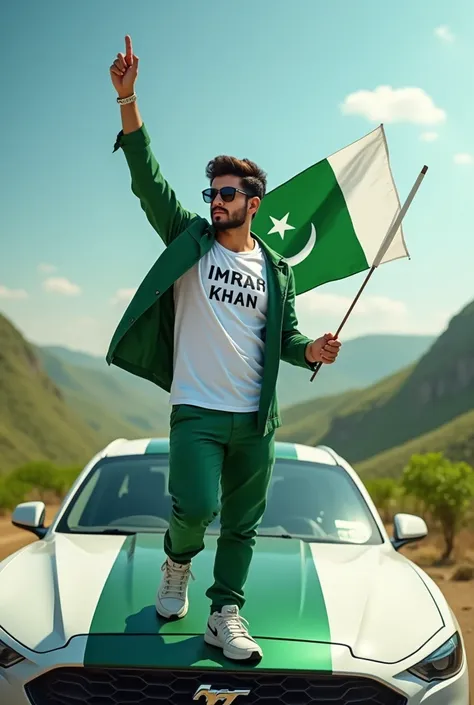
x: 446, y: 490
x: 384, y: 492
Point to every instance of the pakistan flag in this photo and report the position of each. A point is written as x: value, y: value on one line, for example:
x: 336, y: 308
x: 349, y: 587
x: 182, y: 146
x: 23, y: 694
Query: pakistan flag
x: 329, y: 221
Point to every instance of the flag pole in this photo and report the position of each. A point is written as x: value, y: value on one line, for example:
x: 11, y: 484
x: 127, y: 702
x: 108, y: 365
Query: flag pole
x: 387, y: 241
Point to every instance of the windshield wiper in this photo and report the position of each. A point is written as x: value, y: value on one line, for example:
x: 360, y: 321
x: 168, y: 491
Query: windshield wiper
x: 277, y: 536
x: 108, y: 532
x: 307, y: 539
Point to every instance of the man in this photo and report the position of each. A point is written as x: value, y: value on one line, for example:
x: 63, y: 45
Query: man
x: 209, y: 324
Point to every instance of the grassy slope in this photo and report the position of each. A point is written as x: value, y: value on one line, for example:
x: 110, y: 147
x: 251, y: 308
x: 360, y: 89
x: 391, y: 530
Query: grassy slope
x: 110, y: 405
x: 362, y: 362
x: 116, y: 403
x: 359, y: 424
x: 35, y: 421
x: 311, y: 422
x: 455, y: 439
x: 401, y: 408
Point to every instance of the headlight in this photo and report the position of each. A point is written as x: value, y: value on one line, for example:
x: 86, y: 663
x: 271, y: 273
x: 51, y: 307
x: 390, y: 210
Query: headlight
x: 8, y: 657
x: 443, y: 663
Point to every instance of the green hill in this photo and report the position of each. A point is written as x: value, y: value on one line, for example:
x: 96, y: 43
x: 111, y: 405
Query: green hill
x: 108, y: 400
x: 35, y: 421
x: 416, y: 401
x: 87, y: 381
x: 116, y: 403
x: 141, y: 387
x: 455, y: 439
x: 94, y: 403
x: 312, y: 421
x: 362, y: 362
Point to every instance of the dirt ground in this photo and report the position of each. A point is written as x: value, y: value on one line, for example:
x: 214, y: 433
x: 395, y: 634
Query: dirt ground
x: 459, y: 593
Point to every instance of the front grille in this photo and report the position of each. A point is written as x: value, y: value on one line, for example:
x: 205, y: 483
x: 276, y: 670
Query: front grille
x: 118, y: 686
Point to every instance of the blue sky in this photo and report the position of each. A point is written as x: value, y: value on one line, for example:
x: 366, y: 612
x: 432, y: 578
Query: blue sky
x: 258, y: 78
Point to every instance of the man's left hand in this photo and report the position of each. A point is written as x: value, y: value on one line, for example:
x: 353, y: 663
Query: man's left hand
x: 324, y: 349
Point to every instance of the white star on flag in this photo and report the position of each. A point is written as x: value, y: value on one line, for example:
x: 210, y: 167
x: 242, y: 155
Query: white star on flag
x: 280, y: 226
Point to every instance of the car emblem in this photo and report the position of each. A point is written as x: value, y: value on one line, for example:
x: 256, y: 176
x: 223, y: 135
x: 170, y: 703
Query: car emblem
x: 213, y: 697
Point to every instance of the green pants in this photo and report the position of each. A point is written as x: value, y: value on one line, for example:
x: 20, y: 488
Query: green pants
x: 208, y: 450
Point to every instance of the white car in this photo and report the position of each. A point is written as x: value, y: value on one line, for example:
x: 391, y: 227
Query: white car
x: 342, y: 617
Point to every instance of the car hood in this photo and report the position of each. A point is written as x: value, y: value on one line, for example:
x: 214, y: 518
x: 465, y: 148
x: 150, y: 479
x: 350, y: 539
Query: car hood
x: 368, y: 598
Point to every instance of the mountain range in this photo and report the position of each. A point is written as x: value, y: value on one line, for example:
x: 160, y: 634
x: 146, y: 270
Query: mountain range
x: 361, y: 362
x: 428, y: 405
x: 35, y: 420
x: 112, y: 402
x: 384, y: 391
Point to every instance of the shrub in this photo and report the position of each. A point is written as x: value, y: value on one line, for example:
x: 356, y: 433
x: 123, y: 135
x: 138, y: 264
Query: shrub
x: 40, y: 476
x: 446, y: 490
x: 386, y: 494
x: 12, y: 492
x: 39, y: 480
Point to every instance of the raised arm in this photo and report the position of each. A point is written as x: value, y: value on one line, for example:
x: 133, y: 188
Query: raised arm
x: 157, y: 198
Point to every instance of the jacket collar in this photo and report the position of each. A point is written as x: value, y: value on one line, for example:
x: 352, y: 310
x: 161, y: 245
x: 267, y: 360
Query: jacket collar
x: 274, y: 257
x: 209, y: 238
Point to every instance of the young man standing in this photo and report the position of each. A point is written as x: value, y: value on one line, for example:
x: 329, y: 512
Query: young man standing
x: 210, y: 323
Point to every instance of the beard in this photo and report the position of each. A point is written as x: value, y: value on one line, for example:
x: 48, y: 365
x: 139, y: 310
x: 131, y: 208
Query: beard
x: 230, y: 222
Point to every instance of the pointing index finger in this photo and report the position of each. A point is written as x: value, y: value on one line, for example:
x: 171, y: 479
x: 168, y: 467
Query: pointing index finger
x: 128, y: 50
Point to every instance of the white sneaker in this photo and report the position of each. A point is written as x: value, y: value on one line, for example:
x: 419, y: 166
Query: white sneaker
x: 172, y: 597
x: 226, y: 630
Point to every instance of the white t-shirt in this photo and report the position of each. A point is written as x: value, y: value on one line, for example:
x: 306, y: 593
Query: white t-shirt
x: 221, y: 311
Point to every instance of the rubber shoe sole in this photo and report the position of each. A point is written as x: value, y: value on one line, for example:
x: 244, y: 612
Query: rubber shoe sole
x: 229, y: 652
x: 172, y: 616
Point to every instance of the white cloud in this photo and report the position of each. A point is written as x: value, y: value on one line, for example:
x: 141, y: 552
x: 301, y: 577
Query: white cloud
x: 337, y: 304
x: 444, y: 33
x: 6, y: 293
x: 463, y: 158
x: 386, y: 104
x: 45, y: 268
x: 313, y: 302
x: 319, y: 313
x: 86, y: 333
x: 384, y: 305
x: 83, y: 332
x: 61, y: 285
x: 122, y: 296
x: 429, y: 136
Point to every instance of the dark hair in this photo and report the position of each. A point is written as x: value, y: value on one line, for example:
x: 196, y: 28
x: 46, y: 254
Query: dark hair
x: 254, y: 179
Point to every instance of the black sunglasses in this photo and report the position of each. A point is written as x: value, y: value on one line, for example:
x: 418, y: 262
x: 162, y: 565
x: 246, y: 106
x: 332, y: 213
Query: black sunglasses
x: 227, y: 193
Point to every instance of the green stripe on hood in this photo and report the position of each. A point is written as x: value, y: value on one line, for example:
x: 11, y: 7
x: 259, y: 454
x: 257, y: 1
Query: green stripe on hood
x: 285, y: 608
x: 286, y: 450
x: 158, y: 445
x: 182, y: 652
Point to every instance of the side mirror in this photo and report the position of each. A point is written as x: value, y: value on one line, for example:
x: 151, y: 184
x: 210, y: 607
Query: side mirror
x: 30, y: 516
x: 408, y: 528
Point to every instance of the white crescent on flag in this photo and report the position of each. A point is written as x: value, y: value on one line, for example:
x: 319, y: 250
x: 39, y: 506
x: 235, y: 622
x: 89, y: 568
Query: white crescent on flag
x: 306, y: 251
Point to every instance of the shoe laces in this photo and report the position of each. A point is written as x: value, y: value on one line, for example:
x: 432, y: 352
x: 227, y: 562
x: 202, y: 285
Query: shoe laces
x: 232, y: 624
x: 175, y: 579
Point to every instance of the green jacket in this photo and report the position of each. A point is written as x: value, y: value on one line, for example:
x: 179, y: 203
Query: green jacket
x: 143, y: 341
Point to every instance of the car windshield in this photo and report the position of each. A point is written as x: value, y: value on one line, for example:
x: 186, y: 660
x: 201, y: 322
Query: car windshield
x: 307, y: 500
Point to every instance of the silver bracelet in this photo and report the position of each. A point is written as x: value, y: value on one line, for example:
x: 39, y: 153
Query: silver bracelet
x: 125, y: 101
